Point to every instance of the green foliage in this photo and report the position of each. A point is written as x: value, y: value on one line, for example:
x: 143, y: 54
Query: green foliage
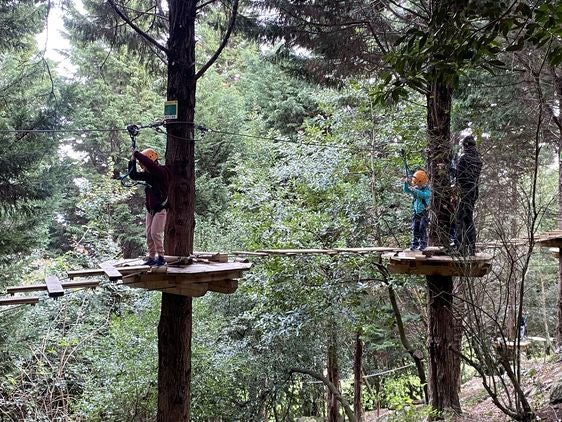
x: 121, y: 384
x: 413, y: 414
x: 457, y: 37
x: 20, y: 20
x: 542, y: 29
x: 30, y: 171
x: 399, y: 393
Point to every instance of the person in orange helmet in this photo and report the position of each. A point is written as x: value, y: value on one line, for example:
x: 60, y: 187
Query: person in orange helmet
x: 157, y: 179
x: 419, y: 189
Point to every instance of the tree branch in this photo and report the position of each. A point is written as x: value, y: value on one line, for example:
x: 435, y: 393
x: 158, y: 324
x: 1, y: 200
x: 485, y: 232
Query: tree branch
x: 139, y: 31
x: 215, y: 56
x: 201, y: 6
x: 333, y: 389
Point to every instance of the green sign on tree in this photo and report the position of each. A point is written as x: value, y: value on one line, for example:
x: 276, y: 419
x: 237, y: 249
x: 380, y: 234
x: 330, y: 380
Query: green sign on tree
x: 171, y: 110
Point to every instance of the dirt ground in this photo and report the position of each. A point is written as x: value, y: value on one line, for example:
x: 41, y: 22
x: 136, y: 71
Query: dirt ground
x: 538, y: 378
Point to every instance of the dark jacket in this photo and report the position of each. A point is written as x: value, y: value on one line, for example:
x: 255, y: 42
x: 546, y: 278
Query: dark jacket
x: 158, y: 179
x: 468, y: 170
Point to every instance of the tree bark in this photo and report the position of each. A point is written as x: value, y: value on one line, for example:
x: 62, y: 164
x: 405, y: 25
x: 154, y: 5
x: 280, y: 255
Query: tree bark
x: 334, y: 390
x: 358, y: 377
x: 333, y: 376
x: 444, y: 366
x: 443, y: 376
x: 558, y: 121
x: 175, y: 327
x: 439, y: 100
x: 416, y: 355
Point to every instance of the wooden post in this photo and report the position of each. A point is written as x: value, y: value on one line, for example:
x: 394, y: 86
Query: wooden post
x: 54, y: 286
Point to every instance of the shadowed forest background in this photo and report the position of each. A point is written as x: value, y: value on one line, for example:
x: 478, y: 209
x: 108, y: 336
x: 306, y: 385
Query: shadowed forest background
x: 289, y: 154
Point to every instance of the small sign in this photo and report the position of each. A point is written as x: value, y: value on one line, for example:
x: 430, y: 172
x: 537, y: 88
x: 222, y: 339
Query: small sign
x: 171, y: 110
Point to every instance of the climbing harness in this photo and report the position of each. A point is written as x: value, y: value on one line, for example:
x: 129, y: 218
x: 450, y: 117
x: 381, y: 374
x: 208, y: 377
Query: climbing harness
x: 134, y: 131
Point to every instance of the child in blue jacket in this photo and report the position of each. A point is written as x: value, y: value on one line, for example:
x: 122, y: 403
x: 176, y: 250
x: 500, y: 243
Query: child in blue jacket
x: 419, y: 189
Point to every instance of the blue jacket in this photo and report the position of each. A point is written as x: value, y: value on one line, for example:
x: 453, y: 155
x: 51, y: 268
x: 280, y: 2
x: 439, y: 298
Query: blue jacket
x: 421, y: 196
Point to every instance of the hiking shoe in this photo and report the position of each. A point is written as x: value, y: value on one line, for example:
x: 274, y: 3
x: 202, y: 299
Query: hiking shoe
x: 160, y: 261
x: 151, y: 262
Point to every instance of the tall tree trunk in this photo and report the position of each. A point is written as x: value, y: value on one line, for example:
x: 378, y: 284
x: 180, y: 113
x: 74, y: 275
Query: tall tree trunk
x: 333, y: 375
x: 358, y: 377
x: 558, y: 121
x: 417, y: 355
x: 443, y: 355
x: 443, y: 363
x: 512, y: 324
x: 174, y: 329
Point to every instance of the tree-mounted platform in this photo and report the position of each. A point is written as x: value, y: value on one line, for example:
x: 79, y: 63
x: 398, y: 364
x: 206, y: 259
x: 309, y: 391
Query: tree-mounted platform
x: 552, y: 239
x: 184, y: 276
x: 434, y: 262
x: 192, y: 280
x: 187, y: 276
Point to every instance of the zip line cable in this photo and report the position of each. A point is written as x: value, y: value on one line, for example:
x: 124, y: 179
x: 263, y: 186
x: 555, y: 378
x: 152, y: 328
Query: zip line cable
x: 203, y: 129
x: 60, y: 130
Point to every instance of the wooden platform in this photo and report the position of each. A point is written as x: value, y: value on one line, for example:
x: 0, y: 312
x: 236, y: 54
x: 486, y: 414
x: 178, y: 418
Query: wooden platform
x: 434, y: 263
x: 189, y: 276
x: 552, y: 239
x: 190, y: 280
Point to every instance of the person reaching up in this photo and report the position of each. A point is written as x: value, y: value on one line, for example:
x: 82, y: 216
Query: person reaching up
x: 419, y: 189
x: 157, y: 178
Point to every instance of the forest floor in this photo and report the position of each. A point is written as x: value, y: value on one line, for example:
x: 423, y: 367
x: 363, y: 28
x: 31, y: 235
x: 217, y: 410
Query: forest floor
x: 539, y: 376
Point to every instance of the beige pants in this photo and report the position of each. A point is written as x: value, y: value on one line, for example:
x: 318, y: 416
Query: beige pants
x: 155, y: 233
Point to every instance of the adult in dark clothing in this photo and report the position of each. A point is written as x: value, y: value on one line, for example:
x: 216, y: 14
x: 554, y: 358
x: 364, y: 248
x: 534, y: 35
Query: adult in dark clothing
x: 157, y: 179
x: 468, y: 168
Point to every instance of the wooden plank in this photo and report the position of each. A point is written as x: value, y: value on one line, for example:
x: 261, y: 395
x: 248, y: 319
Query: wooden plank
x: 192, y: 290
x: 540, y: 339
x: 550, y: 243
x: 247, y: 253
x: 54, y: 286
x: 38, y: 287
x: 110, y: 271
x: 212, y: 256
x: 473, y: 266
x: 21, y: 300
x: 182, y: 279
x: 211, y: 267
x: 149, y: 281
x: 368, y: 249
x: 298, y: 251
x: 80, y: 284
x: 28, y: 288
x: 224, y: 286
x: 90, y: 272
x: 423, y: 269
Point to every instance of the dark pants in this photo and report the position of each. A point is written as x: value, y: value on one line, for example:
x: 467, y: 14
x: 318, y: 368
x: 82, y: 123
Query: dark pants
x: 465, y: 230
x: 419, y: 231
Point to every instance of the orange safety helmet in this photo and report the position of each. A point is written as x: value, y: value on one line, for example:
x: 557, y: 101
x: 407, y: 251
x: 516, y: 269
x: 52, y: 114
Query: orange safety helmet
x: 420, y: 178
x: 150, y: 153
